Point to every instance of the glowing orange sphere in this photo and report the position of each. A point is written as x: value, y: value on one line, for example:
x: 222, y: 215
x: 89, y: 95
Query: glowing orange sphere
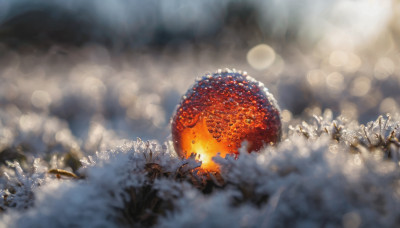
x: 219, y: 112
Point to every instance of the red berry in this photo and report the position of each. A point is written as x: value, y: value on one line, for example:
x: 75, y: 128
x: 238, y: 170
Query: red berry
x: 219, y: 112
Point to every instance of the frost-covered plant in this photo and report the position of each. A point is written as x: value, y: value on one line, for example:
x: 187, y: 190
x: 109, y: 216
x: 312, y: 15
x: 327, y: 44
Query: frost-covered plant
x: 383, y: 134
x: 301, y: 183
x: 18, y: 187
x: 28, y: 135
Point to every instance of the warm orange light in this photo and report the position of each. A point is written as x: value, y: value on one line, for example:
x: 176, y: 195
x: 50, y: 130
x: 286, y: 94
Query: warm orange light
x: 200, y: 141
x: 221, y: 111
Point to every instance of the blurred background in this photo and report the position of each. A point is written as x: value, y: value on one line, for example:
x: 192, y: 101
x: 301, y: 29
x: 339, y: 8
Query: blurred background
x: 117, y: 69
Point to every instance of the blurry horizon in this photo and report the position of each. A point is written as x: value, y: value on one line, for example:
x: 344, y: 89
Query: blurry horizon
x: 120, y: 25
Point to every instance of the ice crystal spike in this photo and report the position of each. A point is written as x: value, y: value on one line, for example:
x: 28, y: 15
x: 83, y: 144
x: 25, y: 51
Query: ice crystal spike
x: 221, y: 111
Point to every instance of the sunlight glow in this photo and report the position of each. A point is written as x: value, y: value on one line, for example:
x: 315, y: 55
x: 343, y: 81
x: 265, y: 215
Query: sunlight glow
x: 199, y: 141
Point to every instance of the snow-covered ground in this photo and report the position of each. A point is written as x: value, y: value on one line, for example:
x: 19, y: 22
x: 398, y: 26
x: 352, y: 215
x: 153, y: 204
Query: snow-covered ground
x: 102, y: 117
